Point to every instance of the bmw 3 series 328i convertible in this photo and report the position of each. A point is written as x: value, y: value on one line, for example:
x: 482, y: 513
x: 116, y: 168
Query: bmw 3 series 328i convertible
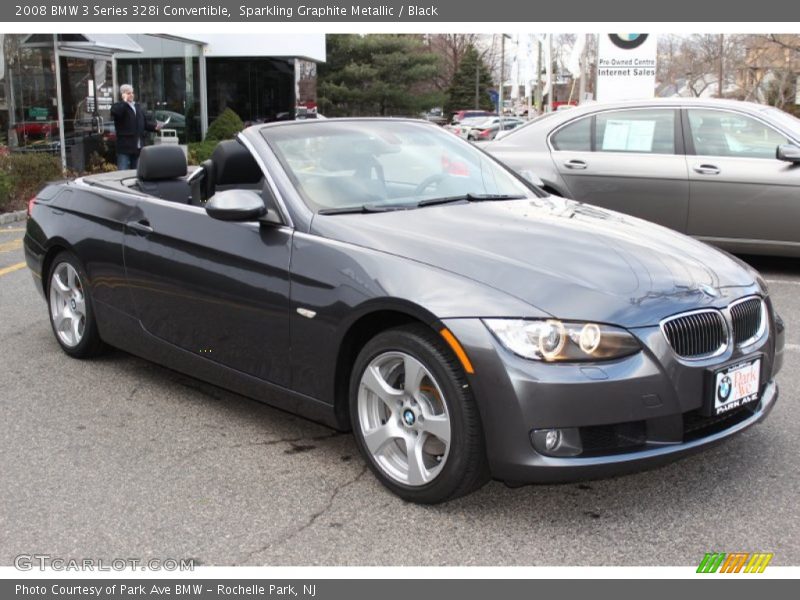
x: 387, y: 277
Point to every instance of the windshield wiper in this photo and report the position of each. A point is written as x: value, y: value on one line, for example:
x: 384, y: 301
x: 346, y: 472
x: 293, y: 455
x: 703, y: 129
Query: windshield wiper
x: 377, y: 208
x: 364, y: 208
x: 469, y: 198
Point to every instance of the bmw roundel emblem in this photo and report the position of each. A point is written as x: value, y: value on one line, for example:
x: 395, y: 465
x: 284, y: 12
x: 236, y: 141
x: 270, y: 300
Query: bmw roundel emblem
x: 628, y: 41
x: 724, y: 388
x: 408, y: 417
x: 709, y: 290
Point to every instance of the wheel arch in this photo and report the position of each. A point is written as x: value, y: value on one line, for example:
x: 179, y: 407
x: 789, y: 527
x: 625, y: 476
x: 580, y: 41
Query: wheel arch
x: 368, y: 324
x: 55, y: 247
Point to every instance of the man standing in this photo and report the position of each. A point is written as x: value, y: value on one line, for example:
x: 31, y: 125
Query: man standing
x: 131, y: 124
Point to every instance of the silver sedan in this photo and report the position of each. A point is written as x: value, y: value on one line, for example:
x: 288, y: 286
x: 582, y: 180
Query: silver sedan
x: 723, y: 171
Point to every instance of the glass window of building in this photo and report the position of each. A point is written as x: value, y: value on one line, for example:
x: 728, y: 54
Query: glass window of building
x: 257, y: 89
x: 166, y: 77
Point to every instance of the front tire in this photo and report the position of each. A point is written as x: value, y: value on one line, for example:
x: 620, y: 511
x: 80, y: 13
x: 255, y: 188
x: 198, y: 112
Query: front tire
x: 414, y: 418
x: 70, y: 307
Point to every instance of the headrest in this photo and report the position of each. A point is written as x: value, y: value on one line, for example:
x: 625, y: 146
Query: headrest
x: 157, y: 163
x: 233, y: 164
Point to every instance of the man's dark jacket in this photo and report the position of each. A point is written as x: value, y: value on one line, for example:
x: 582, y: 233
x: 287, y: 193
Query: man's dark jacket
x: 130, y: 127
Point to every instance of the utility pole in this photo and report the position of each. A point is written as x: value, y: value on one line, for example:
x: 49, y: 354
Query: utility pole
x: 538, y: 98
x: 550, y: 73
x: 721, y: 69
x: 502, y: 74
x: 582, y: 86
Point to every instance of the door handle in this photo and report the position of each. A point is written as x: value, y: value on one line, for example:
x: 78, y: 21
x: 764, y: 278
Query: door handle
x: 142, y: 226
x: 706, y: 169
x: 575, y: 164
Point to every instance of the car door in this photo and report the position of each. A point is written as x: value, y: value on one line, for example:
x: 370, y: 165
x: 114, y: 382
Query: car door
x: 740, y: 195
x: 217, y: 289
x: 626, y: 160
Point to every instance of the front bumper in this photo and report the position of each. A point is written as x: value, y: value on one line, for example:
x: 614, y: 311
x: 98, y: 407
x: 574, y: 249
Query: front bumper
x: 640, y: 412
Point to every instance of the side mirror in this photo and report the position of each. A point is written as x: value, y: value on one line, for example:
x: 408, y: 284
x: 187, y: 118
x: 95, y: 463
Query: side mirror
x: 789, y: 153
x: 236, y: 205
x: 531, y: 177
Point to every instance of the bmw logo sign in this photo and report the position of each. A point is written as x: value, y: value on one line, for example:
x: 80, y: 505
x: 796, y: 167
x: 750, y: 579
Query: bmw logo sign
x: 408, y: 417
x: 724, y: 388
x: 628, y: 41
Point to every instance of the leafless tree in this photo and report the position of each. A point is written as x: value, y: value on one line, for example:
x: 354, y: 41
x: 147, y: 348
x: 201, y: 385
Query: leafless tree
x: 770, y: 68
x: 450, y: 47
x: 698, y: 61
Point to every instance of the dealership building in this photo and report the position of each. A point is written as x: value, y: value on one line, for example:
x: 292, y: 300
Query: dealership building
x: 56, y: 89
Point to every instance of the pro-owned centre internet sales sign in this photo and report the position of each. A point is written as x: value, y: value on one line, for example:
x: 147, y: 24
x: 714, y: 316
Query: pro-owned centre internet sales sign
x: 626, y: 66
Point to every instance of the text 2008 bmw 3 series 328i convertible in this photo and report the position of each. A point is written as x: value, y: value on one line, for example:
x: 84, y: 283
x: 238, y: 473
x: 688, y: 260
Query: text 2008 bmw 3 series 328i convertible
x: 387, y: 277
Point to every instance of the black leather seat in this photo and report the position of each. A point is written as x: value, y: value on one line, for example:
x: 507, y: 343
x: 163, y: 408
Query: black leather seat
x: 161, y: 173
x: 231, y: 166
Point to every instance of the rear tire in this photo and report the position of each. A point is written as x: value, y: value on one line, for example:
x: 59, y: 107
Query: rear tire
x: 70, y: 308
x: 414, y: 418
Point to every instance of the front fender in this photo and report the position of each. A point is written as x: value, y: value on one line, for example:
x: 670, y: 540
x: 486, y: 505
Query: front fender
x: 334, y: 285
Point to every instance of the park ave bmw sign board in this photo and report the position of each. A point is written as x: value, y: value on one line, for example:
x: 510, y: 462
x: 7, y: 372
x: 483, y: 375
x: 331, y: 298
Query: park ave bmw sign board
x: 626, y: 66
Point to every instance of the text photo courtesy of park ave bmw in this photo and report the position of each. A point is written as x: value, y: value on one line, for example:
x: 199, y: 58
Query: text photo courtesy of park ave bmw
x: 396, y: 292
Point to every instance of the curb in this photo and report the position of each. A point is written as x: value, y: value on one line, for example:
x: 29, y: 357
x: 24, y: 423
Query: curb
x: 12, y: 217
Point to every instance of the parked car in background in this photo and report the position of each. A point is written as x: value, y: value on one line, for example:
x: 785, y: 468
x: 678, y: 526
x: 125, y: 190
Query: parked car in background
x: 435, y: 115
x: 384, y: 276
x: 170, y: 118
x: 460, y: 115
x: 489, y: 129
x: 463, y: 128
x: 723, y: 171
x: 36, y: 130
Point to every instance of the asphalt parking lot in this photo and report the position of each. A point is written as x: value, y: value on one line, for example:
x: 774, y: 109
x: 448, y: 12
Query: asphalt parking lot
x: 118, y: 457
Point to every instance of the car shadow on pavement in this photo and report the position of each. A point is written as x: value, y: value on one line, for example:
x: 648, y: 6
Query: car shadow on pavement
x: 705, y: 480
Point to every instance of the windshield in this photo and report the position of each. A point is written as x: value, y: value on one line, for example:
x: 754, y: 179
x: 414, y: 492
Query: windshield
x: 384, y: 164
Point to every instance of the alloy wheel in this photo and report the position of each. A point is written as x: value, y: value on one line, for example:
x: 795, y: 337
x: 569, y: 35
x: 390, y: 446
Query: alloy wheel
x: 404, y: 418
x: 67, y: 305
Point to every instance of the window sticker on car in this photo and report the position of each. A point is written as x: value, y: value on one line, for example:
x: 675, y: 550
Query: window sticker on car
x: 630, y: 136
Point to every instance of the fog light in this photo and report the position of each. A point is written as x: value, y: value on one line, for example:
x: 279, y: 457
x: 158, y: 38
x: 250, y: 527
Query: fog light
x: 557, y: 442
x: 552, y: 439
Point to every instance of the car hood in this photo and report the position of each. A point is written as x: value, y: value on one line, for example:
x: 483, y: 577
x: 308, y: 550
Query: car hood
x: 570, y: 260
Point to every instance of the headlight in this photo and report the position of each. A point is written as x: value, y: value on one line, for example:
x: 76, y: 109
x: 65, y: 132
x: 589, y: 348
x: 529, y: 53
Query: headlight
x: 553, y: 340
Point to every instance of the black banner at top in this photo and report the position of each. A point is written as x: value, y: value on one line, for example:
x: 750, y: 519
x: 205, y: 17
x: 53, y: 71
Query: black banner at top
x: 405, y: 11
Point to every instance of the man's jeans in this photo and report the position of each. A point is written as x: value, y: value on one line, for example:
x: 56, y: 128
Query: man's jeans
x: 127, y: 161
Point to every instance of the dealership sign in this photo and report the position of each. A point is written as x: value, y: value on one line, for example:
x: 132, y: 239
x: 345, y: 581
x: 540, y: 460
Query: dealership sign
x: 626, y: 66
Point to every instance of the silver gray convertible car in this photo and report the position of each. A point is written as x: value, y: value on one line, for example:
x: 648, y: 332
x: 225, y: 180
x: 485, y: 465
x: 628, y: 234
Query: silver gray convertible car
x: 387, y: 277
x: 723, y: 171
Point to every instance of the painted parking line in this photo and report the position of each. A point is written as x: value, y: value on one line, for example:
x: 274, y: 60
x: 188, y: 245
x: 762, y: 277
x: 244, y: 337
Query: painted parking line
x: 12, y: 245
x: 13, y: 230
x: 793, y: 347
x: 12, y: 268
